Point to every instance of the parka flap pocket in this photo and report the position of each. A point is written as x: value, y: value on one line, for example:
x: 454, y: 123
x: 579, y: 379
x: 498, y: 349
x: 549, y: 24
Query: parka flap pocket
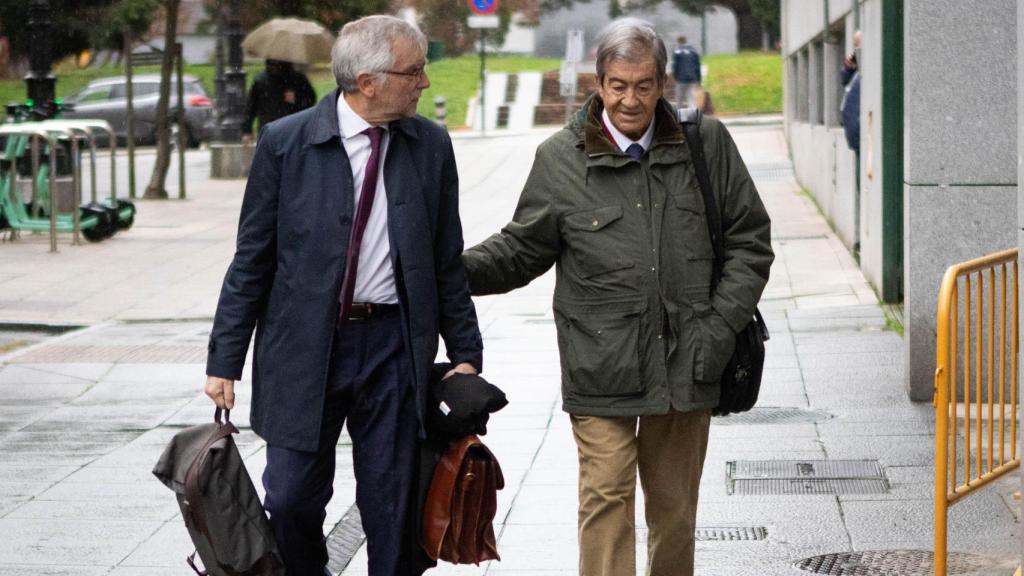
x: 691, y: 201
x: 593, y: 219
x: 601, y: 347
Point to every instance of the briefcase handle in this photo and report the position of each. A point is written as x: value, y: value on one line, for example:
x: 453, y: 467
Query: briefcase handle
x: 217, y: 413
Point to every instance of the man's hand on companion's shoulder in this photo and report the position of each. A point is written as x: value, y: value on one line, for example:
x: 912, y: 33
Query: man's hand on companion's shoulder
x: 221, y: 391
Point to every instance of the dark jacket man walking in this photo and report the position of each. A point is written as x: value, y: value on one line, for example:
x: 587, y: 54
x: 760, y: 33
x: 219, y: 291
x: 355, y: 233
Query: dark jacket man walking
x: 612, y: 201
x: 348, y: 267
x: 276, y: 92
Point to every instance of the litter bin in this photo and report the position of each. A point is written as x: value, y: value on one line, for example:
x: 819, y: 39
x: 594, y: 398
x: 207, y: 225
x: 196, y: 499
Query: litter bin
x: 435, y: 50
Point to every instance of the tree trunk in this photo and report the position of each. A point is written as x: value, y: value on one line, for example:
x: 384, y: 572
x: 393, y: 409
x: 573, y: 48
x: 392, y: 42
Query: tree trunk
x: 163, y: 122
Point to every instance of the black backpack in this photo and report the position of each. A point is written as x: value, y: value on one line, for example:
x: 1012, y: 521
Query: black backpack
x: 741, y: 379
x: 221, y: 508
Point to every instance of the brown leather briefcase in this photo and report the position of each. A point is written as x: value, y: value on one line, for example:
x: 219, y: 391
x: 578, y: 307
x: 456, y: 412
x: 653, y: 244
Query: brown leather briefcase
x: 461, y: 504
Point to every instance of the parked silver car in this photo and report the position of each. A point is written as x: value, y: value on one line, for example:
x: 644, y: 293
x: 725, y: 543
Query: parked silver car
x: 105, y: 99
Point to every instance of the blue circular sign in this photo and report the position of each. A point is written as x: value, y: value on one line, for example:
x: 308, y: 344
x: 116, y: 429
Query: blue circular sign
x: 483, y: 7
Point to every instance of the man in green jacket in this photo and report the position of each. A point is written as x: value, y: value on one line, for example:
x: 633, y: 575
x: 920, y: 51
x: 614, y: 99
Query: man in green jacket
x: 613, y: 202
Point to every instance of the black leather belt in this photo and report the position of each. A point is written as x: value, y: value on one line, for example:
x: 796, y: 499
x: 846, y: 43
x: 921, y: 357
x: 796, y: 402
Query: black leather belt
x: 362, y: 311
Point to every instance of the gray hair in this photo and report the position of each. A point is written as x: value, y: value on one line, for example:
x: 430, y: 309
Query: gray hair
x: 630, y: 40
x: 364, y: 46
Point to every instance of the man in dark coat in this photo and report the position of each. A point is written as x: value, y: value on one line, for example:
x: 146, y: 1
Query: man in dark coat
x: 348, y: 267
x: 276, y: 92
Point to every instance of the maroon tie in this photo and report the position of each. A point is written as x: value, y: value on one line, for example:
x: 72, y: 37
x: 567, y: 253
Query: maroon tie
x: 366, y: 195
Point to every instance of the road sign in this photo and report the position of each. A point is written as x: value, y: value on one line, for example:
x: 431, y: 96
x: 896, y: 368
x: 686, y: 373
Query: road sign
x: 482, y: 21
x: 567, y: 79
x: 483, y: 7
x: 574, y: 45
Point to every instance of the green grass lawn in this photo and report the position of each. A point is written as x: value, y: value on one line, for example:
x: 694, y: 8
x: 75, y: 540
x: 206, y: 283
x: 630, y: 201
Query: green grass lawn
x: 745, y: 83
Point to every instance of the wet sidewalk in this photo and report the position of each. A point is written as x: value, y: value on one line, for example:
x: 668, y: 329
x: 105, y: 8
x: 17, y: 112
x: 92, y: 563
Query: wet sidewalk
x: 84, y: 415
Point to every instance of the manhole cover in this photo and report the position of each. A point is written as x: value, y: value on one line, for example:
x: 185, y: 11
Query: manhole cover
x: 719, y: 534
x: 805, y: 477
x: 895, y: 563
x: 344, y: 540
x: 772, y: 415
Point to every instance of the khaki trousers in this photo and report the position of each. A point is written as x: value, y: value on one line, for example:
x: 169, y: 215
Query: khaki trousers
x: 669, y: 452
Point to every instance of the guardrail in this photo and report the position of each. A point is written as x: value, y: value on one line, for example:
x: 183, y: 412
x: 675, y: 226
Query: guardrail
x: 988, y: 358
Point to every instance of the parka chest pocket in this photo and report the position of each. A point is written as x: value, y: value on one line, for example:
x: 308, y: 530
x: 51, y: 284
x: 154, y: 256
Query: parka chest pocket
x: 595, y: 244
x: 689, y: 212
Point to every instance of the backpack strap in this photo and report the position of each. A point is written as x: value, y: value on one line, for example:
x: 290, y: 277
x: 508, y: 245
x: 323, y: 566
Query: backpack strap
x: 690, y: 119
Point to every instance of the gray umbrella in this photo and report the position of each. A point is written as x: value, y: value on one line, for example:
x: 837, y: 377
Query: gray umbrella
x: 291, y: 40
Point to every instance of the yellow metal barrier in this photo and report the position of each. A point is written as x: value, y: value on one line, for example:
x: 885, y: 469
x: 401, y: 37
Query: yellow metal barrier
x: 993, y: 400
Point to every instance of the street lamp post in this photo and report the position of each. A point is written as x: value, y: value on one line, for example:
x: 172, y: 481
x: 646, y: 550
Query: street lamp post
x: 40, y: 83
x: 234, y: 80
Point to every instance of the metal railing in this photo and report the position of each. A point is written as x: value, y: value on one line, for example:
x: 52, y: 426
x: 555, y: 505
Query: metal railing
x: 976, y: 381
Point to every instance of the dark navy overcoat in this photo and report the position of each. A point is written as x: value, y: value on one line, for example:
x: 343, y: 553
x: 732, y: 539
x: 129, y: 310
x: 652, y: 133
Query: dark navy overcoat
x: 287, y: 270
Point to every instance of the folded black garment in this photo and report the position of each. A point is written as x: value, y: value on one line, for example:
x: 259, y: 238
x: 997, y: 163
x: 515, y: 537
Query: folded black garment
x: 460, y: 405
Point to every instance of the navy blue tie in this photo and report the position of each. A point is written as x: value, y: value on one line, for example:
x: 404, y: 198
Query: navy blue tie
x: 635, y: 151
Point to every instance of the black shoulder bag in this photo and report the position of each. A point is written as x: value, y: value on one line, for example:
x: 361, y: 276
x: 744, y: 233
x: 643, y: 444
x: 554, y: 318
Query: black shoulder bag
x: 741, y: 379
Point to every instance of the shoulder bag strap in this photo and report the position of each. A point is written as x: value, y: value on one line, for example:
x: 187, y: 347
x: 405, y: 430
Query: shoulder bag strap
x: 690, y: 120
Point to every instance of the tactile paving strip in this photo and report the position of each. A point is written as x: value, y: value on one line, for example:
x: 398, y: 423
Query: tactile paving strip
x: 896, y: 563
x: 766, y: 477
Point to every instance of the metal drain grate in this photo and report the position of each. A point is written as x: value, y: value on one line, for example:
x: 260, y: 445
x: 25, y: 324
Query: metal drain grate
x: 772, y: 415
x: 728, y: 534
x: 764, y: 477
x: 896, y: 563
x: 344, y: 540
x: 719, y: 533
x: 772, y: 171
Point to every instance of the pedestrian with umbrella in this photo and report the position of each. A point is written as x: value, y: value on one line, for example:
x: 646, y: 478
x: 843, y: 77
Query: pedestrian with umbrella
x: 280, y: 89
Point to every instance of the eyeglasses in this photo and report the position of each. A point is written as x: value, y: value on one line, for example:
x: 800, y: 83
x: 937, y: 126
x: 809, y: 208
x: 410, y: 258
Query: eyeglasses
x: 417, y: 72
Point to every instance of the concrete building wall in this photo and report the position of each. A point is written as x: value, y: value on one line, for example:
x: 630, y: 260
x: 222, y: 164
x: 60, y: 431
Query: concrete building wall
x: 872, y: 148
x: 1020, y: 206
x: 822, y: 162
x: 960, y: 142
x: 960, y: 193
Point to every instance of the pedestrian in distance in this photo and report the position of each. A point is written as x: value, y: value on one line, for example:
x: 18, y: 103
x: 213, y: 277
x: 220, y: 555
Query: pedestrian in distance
x: 849, y: 107
x: 686, y: 72
x: 277, y: 91
x: 348, y: 268
x: 613, y: 203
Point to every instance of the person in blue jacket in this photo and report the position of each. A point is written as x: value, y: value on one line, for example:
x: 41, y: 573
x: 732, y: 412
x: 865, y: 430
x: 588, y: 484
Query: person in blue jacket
x: 849, y: 108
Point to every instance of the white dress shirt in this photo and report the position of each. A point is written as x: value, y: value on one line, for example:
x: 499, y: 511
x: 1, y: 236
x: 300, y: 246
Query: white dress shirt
x: 375, y: 278
x: 623, y: 141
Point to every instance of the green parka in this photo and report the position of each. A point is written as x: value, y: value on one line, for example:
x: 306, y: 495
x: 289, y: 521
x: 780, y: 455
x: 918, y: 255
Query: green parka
x: 639, y: 331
